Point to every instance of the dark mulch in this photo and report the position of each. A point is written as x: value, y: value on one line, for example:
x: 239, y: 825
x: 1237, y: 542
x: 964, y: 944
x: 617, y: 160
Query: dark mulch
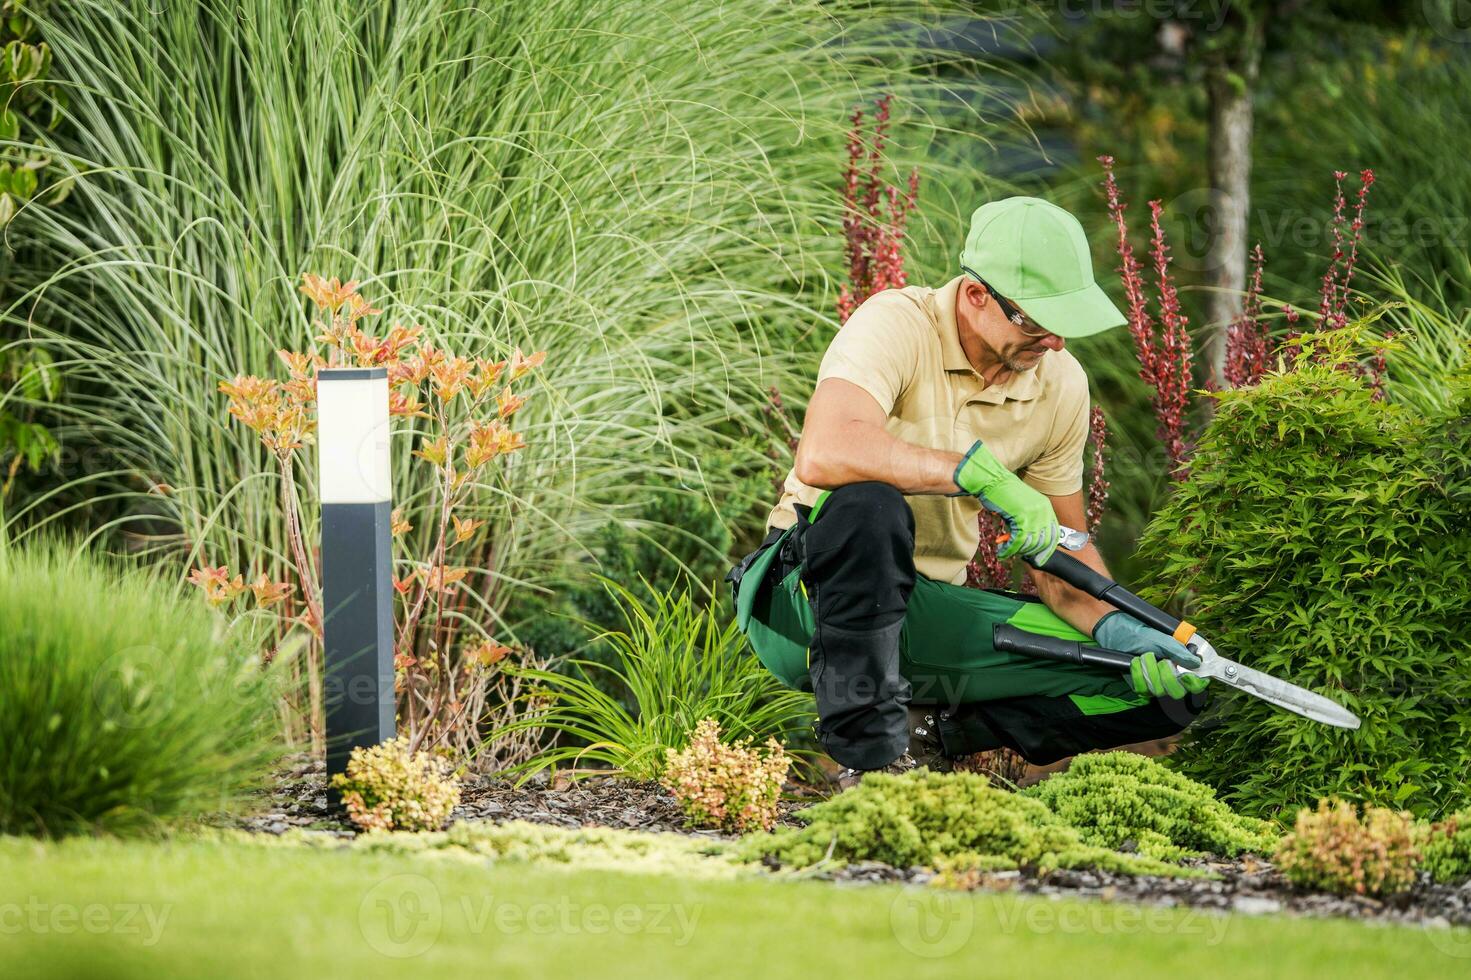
x: 1247, y: 885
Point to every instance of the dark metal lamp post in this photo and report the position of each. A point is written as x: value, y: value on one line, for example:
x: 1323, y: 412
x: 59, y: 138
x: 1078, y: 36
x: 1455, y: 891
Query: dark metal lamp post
x: 357, y: 564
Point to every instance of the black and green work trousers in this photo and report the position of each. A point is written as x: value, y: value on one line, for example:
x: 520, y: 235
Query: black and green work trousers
x: 833, y: 605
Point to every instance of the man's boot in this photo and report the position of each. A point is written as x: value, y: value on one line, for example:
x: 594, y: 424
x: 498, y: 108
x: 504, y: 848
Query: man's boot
x: 848, y: 778
x: 925, y: 745
x: 925, y: 750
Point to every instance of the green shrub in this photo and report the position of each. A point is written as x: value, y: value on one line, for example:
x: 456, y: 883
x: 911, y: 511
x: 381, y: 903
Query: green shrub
x: 1445, y: 851
x: 387, y: 787
x: 728, y: 787
x: 1333, y: 849
x: 1113, y: 797
x: 679, y: 664
x: 122, y: 704
x: 1316, y: 540
x: 946, y: 821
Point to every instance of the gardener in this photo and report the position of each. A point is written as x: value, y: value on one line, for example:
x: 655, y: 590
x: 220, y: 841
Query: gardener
x: 928, y: 404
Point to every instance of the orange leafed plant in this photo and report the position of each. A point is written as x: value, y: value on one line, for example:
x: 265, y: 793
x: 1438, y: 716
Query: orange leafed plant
x: 730, y: 787
x: 461, y: 409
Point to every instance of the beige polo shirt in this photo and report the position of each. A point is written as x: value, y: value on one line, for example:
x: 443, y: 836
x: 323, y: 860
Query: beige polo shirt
x: 902, y: 346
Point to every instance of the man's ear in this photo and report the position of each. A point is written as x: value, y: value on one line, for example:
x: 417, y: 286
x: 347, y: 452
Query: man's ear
x: 974, y: 293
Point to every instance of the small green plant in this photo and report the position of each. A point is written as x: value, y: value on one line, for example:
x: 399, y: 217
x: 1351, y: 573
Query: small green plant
x: 1114, y: 797
x: 728, y: 787
x: 944, y: 821
x: 1446, y: 848
x: 1320, y: 539
x: 679, y: 664
x: 122, y: 704
x: 1334, y: 849
x: 31, y: 107
x: 389, y: 786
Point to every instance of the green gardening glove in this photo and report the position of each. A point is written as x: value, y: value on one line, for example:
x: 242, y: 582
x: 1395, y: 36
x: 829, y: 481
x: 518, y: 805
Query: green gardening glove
x: 1153, y: 670
x: 1157, y: 678
x: 1117, y: 630
x: 1029, y: 516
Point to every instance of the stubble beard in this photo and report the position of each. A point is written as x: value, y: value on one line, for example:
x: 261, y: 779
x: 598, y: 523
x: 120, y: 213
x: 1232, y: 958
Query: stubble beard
x: 1018, y: 362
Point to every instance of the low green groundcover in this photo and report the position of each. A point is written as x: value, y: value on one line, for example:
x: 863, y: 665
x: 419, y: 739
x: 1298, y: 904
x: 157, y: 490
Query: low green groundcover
x: 518, y: 841
x: 922, y: 818
x: 1115, y: 797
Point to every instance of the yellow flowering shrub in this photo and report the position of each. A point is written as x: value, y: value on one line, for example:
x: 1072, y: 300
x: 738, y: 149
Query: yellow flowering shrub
x: 730, y: 787
x: 387, y: 787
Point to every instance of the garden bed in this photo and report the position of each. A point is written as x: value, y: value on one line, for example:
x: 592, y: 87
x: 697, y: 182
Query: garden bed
x: 1247, y: 885
x: 299, y: 800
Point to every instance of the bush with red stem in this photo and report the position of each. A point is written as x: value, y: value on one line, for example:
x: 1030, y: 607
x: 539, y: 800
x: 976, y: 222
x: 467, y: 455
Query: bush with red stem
x: 874, y: 214
x: 1247, y: 339
x: 986, y: 571
x: 1164, y: 349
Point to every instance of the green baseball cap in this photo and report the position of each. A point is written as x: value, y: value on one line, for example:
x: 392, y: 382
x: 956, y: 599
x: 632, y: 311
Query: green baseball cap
x: 1036, y: 256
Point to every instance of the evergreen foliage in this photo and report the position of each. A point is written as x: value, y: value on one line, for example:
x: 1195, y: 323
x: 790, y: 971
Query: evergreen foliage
x: 1322, y: 538
x: 925, y: 819
x: 1114, y: 797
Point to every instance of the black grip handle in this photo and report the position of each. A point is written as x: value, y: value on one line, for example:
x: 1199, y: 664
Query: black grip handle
x: 1080, y: 576
x: 1014, y: 640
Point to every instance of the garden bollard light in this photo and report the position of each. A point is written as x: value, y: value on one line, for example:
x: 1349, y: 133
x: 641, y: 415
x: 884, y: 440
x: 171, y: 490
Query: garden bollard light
x: 357, y: 563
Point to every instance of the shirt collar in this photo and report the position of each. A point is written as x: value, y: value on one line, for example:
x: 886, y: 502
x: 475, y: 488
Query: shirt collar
x: 1020, y: 387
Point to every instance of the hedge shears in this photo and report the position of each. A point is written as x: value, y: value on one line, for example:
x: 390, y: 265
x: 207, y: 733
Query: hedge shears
x: 1072, y: 571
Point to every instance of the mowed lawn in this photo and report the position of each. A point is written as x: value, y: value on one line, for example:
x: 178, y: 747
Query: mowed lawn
x: 192, y: 908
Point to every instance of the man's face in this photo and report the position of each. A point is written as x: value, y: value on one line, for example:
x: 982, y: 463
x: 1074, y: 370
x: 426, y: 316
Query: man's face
x: 1019, y: 346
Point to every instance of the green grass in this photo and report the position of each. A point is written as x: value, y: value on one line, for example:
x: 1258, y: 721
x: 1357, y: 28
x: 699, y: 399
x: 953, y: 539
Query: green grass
x: 224, y: 910
x: 122, y: 703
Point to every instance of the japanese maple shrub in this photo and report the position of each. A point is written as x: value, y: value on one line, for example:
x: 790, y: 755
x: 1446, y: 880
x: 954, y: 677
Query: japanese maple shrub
x: 1319, y: 539
x: 1445, y: 850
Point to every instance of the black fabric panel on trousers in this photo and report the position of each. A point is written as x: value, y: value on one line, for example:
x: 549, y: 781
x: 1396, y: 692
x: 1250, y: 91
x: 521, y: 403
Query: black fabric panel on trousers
x: 858, y: 568
x: 1045, y: 729
x: 859, y: 555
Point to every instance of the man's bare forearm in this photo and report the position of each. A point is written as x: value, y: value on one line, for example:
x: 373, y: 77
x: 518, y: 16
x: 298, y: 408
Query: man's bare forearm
x: 1078, y: 608
x: 856, y: 451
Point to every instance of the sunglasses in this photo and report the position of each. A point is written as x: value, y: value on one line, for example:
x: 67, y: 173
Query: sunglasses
x: 1016, y: 316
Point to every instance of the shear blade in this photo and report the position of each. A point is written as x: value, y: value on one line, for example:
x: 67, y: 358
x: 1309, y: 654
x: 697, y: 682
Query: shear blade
x: 1289, y: 696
